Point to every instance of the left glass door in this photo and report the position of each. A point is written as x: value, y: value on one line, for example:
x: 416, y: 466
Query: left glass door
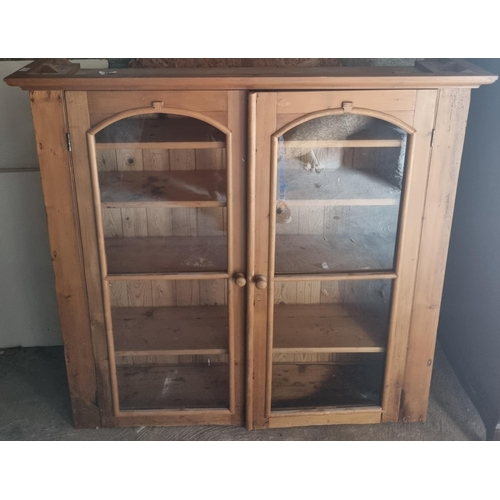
x: 160, y: 182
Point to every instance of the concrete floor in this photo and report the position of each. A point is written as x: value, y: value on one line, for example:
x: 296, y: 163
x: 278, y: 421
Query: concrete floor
x: 34, y: 405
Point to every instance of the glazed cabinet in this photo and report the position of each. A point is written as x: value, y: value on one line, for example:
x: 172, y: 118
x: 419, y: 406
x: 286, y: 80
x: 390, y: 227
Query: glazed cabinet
x: 262, y: 248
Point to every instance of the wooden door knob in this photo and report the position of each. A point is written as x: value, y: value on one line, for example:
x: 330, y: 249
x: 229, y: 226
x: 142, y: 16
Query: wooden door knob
x: 240, y: 280
x: 260, y: 282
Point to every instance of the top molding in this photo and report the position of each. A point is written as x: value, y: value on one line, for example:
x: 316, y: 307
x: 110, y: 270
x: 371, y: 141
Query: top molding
x: 60, y: 74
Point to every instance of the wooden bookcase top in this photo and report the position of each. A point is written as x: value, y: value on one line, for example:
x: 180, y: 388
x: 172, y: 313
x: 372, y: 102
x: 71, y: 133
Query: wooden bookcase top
x: 47, y: 74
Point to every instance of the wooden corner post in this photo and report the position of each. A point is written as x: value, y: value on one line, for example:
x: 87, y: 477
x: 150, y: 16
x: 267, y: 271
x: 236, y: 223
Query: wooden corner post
x: 449, y: 134
x: 58, y: 188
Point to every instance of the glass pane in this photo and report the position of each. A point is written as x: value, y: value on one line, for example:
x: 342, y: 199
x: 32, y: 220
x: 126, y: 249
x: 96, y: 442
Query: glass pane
x: 329, y: 342
x: 165, y: 240
x: 339, y: 185
x: 163, y: 191
x: 171, y: 343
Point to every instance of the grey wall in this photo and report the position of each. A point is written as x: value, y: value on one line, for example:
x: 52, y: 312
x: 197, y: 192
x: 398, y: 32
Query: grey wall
x: 28, y: 308
x: 469, y: 328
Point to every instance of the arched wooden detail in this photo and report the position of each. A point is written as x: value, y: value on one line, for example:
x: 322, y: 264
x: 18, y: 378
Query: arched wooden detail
x: 154, y: 110
x: 340, y: 111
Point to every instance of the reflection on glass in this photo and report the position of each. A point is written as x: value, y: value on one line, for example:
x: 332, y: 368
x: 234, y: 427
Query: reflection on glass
x: 163, y: 194
x: 339, y: 182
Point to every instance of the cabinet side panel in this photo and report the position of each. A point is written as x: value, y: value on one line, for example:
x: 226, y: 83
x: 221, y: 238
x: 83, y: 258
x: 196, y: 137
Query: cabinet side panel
x: 451, y: 118
x: 79, y: 123
x: 65, y: 245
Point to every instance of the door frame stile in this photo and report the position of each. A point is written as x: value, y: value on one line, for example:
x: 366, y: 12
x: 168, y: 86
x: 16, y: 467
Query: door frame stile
x: 252, y: 117
x: 236, y: 109
x: 264, y: 126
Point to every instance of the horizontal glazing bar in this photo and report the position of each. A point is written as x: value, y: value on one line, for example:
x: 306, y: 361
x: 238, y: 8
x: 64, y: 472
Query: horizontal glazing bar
x: 174, y: 276
x: 336, y: 276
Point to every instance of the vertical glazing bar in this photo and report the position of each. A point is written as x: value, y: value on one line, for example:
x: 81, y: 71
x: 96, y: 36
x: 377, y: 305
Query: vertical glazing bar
x: 272, y: 249
x: 402, y: 229
x: 104, y: 270
x: 230, y: 268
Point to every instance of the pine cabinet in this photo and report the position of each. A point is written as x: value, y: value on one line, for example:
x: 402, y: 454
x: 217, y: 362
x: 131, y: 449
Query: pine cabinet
x: 249, y: 248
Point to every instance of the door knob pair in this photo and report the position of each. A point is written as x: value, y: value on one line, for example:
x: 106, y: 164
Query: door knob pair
x: 259, y: 280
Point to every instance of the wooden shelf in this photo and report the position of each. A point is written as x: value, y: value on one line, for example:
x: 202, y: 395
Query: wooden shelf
x: 317, y: 254
x: 343, y: 186
x: 183, y: 188
x: 347, y: 143
x: 155, y: 331
x: 326, y: 328
x: 322, y: 385
x: 172, y: 254
x: 168, y: 133
x: 176, y: 387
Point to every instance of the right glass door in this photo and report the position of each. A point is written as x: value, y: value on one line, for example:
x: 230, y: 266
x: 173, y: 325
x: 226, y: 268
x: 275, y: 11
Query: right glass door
x: 337, y: 194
